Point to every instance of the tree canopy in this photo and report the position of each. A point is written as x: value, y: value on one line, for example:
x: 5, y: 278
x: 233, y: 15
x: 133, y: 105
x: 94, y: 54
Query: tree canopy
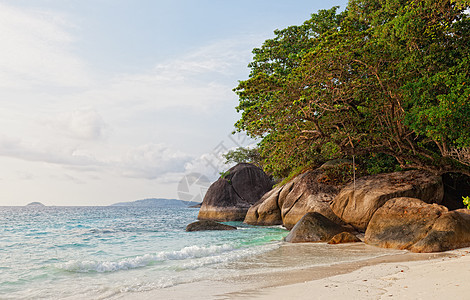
x: 387, y: 77
x: 243, y: 155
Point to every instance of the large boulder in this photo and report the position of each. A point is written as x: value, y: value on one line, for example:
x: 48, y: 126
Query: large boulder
x: 314, y: 227
x: 402, y: 222
x: 230, y: 197
x: 450, y: 231
x: 266, y: 211
x: 208, y: 225
x: 357, y: 202
x: 287, y: 204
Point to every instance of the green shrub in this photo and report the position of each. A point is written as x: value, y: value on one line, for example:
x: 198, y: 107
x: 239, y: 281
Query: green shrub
x: 377, y: 163
x: 466, y: 201
x: 341, y: 174
x: 292, y: 174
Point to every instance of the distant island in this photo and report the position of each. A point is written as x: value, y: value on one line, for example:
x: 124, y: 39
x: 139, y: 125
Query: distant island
x: 35, y: 204
x: 158, y: 202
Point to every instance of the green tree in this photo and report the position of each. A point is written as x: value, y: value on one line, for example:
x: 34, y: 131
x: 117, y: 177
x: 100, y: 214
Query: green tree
x: 264, y: 97
x: 243, y: 155
x: 385, y: 77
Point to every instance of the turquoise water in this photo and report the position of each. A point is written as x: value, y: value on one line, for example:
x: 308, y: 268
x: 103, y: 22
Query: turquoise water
x: 98, y: 252
x: 120, y: 252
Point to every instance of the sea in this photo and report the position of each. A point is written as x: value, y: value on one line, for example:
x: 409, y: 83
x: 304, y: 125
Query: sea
x: 123, y: 252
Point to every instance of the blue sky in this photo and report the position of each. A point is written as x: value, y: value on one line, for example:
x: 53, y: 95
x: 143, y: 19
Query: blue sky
x: 116, y: 100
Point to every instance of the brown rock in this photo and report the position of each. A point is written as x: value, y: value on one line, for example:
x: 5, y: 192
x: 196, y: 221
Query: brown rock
x: 287, y: 204
x: 313, y: 227
x: 266, y: 211
x: 308, y: 195
x: 230, y: 197
x: 356, y: 203
x: 344, y: 237
x: 208, y: 225
x: 402, y: 222
x: 450, y: 231
x: 463, y: 211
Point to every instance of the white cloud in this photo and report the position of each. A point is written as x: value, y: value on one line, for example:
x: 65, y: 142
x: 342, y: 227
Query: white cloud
x: 59, y: 114
x: 36, y: 52
x: 198, y: 80
x: 207, y: 166
x: 152, y: 161
x: 153, y: 91
x: 84, y: 123
x: 40, y: 152
x: 224, y: 57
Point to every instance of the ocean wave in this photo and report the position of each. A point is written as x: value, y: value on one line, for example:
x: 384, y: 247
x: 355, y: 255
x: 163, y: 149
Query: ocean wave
x: 190, y: 252
x: 235, y: 255
x: 194, y: 252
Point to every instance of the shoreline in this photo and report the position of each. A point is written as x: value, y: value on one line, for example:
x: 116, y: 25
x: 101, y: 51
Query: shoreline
x: 400, y: 276
x: 323, y: 281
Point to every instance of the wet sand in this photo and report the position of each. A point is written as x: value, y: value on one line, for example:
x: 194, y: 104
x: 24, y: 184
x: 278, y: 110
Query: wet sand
x: 408, y: 276
x: 395, y: 274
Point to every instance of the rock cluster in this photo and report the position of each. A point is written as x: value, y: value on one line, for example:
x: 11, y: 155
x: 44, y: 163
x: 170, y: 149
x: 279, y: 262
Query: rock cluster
x: 357, y: 203
x: 407, y: 223
x: 287, y: 204
x: 450, y: 231
x: 398, y: 210
x: 402, y: 222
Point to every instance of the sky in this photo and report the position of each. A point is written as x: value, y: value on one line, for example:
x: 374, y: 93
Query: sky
x: 105, y: 101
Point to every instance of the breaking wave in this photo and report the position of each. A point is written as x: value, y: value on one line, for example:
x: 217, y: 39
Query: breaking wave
x: 190, y: 252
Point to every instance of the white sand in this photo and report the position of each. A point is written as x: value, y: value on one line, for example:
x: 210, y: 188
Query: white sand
x: 443, y: 278
x: 401, y: 276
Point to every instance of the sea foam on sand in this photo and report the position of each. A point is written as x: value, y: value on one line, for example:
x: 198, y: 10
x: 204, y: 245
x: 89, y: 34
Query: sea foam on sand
x: 445, y: 276
x: 403, y: 276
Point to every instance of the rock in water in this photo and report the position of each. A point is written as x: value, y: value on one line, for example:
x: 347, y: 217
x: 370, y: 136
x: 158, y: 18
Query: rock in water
x: 208, y: 225
x: 402, y: 222
x: 314, y: 227
x: 450, y: 231
x: 357, y: 203
x: 287, y: 204
x: 343, y: 238
x: 230, y: 197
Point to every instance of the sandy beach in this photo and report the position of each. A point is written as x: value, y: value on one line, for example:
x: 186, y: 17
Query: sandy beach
x: 438, y: 276
x: 402, y: 275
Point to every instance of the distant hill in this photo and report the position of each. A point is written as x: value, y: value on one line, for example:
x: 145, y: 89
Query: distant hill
x: 35, y: 204
x: 157, y: 202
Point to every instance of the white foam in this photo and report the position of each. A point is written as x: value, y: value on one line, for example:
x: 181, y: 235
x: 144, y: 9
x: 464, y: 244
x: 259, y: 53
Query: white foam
x: 144, y: 260
x: 229, y: 257
x: 194, y: 252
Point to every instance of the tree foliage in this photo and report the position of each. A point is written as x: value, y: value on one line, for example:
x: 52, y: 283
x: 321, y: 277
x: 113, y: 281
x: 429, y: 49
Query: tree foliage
x: 389, y: 77
x: 243, y: 155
